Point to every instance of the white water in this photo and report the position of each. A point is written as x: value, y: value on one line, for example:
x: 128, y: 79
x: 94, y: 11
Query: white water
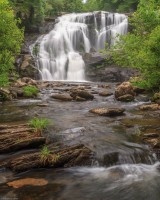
x: 59, y: 57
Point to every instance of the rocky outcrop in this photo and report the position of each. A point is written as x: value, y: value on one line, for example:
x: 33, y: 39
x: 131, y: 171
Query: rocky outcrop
x: 26, y: 66
x: 125, y: 92
x: 111, y: 112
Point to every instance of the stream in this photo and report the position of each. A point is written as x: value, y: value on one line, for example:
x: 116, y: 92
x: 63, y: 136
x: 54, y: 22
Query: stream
x: 124, y: 167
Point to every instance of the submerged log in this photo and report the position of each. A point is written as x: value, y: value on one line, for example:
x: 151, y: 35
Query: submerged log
x: 77, y: 155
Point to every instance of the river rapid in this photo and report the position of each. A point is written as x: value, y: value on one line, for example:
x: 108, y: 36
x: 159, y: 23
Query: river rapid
x: 123, y: 166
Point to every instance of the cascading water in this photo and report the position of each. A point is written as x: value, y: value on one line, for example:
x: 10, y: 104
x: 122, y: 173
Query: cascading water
x: 59, y: 57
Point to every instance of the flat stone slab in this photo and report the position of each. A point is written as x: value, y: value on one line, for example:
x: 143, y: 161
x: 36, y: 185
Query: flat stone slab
x: 111, y: 112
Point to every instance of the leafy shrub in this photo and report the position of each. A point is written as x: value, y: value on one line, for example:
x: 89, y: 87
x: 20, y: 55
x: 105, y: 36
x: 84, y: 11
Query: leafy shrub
x: 10, y: 41
x: 30, y: 91
x: 140, y: 49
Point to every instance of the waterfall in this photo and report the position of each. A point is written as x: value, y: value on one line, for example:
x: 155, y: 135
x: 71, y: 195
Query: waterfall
x: 59, y: 56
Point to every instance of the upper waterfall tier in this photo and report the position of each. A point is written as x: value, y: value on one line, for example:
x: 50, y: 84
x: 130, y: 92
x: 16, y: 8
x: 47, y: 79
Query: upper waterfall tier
x: 59, y: 57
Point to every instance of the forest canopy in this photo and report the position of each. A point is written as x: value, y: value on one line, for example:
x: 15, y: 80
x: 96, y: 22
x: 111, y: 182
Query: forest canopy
x: 10, y: 41
x: 139, y: 49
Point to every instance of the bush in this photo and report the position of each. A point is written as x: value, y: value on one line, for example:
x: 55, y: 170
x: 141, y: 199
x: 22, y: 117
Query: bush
x: 30, y: 91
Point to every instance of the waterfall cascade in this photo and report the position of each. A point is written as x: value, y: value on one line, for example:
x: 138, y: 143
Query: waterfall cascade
x: 59, y: 57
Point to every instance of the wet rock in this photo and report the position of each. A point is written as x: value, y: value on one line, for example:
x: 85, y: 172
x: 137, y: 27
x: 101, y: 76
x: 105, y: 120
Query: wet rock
x: 82, y: 94
x: 111, y: 158
x: 80, y: 98
x: 125, y: 88
x: 138, y: 90
x: 105, y: 93
x: 42, y: 105
x: 5, y: 95
x: 77, y: 155
x: 156, y: 98
x: 150, y: 107
x: 27, y: 181
x: 16, y: 92
x: 111, y: 112
x: 126, y: 98
x: 153, y: 142
x: 151, y: 135
x: 104, y: 86
x: 63, y: 97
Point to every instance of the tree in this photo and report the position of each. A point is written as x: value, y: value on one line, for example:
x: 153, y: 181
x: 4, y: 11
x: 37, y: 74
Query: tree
x: 31, y: 12
x: 141, y: 48
x: 112, y: 5
x: 119, y: 5
x: 92, y: 5
x: 10, y: 41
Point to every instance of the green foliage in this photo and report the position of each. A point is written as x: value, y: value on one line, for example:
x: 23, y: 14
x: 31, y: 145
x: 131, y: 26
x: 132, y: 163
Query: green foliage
x: 92, y: 5
x: 55, y: 7
x: 10, y: 41
x: 29, y: 11
x: 140, y: 49
x: 30, y: 91
x: 39, y: 124
x: 111, y: 5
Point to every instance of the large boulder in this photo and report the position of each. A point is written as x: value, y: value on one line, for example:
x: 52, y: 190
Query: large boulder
x: 111, y: 112
x: 125, y: 88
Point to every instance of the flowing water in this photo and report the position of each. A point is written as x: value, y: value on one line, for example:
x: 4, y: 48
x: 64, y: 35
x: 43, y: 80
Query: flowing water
x: 59, y: 56
x: 123, y: 168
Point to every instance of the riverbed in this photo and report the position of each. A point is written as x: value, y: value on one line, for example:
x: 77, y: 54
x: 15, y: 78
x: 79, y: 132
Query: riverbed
x: 124, y: 167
